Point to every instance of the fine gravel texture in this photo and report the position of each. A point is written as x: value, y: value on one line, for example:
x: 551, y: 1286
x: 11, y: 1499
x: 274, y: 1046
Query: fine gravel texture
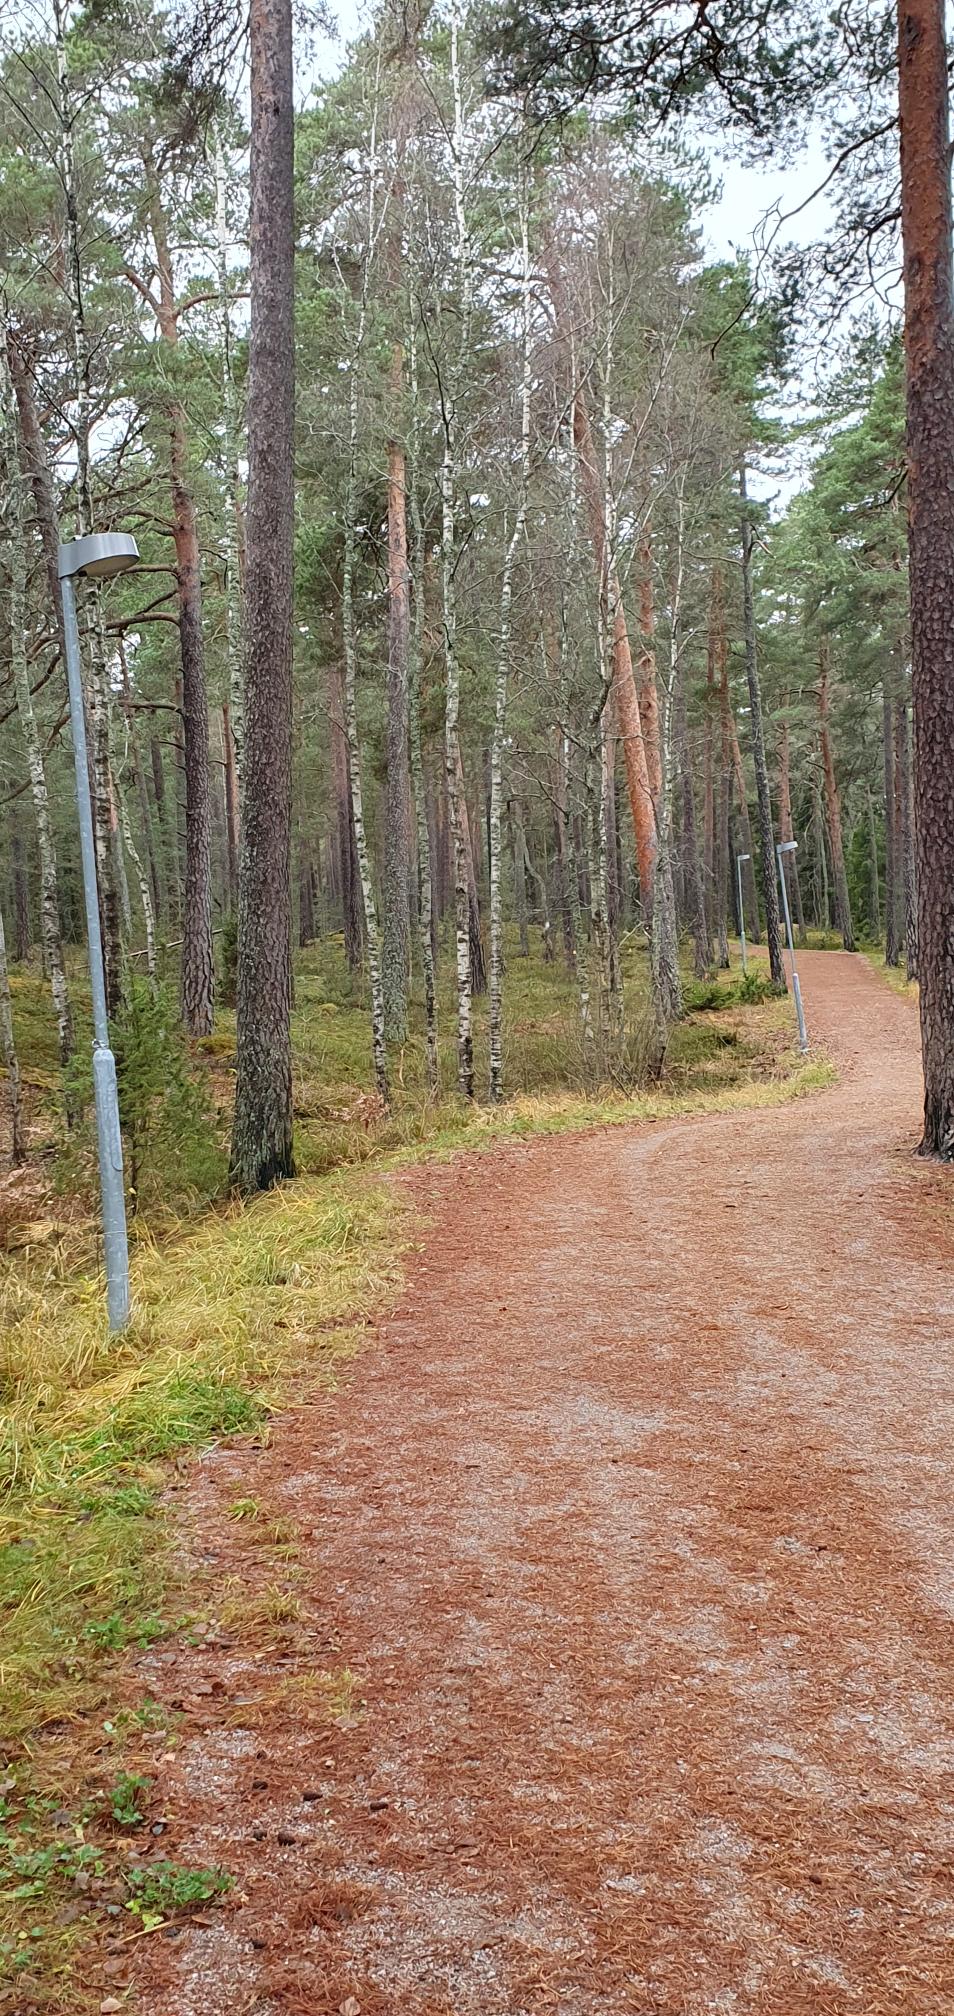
x: 634, y: 1526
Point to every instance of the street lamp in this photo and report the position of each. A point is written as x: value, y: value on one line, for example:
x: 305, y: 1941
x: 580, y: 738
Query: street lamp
x: 790, y: 847
x: 738, y: 876
x: 98, y: 556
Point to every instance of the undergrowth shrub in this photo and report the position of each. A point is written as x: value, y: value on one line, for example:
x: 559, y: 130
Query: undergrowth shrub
x: 755, y: 986
x: 170, y: 1149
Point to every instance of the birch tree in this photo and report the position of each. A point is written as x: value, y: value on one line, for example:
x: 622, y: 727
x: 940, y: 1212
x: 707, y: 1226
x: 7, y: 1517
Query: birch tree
x: 513, y: 547
x: 15, y: 519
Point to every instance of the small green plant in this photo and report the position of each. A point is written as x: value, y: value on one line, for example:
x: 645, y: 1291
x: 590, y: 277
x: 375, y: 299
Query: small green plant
x: 124, y: 1800
x: 699, y: 995
x: 164, y: 1113
x: 35, y: 1870
x: 166, y: 1887
x: 114, y: 1633
x: 753, y: 987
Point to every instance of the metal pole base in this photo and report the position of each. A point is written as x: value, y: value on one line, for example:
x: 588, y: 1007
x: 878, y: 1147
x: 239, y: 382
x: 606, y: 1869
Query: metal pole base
x: 106, y: 1096
x: 800, y: 1012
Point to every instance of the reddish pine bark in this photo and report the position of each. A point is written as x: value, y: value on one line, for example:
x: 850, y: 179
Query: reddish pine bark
x: 646, y: 689
x: 929, y: 357
x: 262, y: 1151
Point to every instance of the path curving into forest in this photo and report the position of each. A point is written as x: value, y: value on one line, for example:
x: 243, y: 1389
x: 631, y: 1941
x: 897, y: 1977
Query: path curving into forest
x: 638, y: 1531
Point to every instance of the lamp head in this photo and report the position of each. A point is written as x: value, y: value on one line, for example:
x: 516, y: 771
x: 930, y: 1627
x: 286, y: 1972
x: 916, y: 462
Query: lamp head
x: 787, y: 846
x: 98, y: 555
x: 743, y: 857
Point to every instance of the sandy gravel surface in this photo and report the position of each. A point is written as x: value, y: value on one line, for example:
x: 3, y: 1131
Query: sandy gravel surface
x: 635, y: 1526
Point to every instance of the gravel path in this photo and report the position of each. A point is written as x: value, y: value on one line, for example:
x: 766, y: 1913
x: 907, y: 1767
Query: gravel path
x: 637, y: 1532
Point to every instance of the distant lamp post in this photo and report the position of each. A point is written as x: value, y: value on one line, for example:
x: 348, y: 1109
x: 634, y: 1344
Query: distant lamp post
x: 790, y: 847
x: 738, y: 876
x: 98, y: 556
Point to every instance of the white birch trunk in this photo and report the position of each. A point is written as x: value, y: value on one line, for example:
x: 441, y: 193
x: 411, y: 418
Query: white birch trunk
x: 142, y: 879
x: 100, y: 779
x: 465, y: 1036
x: 378, y: 1044
x: 15, y: 500
x: 230, y: 436
x: 424, y: 872
x: 503, y: 676
x: 10, y: 1058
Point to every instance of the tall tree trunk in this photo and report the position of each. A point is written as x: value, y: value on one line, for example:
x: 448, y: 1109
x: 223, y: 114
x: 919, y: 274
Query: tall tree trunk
x: 463, y: 865
x: 832, y: 800
x: 625, y: 693
x: 14, y: 491
x: 426, y: 907
x: 750, y: 894
x: 81, y: 351
x: 306, y: 892
x: 142, y: 882
x: 906, y: 837
x: 8, y: 1050
x: 646, y: 689
x: 344, y: 845
x: 709, y: 791
x: 372, y: 929
x: 723, y: 850
x: 694, y: 892
x: 167, y: 837
x: 134, y: 753
x: 874, y: 891
x: 396, y: 936
x: 198, y: 957
x: 475, y: 936
x: 502, y: 683
x: 232, y: 825
x: 785, y: 818
x: 518, y: 849
x: 822, y: 896
x: 766, y: 834
x: 893, y: 872
x: 38, y: 469
x: 262, y: 1135
x: 22, y: 924
x: 230, y: 490
x: 929, y: 356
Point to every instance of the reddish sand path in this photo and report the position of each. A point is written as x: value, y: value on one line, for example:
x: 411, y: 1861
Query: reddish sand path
x: 638, y: 1532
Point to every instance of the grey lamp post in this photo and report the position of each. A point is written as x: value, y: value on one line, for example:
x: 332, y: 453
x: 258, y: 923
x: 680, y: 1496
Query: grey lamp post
x: 738, y: 876
x: 789, y: 847
x: 98, y: 555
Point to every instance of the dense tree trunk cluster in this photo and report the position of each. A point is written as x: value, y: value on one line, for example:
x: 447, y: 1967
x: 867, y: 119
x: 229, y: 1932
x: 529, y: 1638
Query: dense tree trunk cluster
x: 492, y: 618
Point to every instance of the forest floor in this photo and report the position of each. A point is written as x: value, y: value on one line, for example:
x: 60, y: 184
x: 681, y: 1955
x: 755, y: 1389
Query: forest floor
x: 598, y: 1632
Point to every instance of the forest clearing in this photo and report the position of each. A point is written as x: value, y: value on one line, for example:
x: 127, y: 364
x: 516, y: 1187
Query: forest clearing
x: 476, y: 1008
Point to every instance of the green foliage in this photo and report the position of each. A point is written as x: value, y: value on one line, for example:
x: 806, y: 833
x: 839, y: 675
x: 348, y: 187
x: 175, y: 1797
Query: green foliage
x: 165, y: 1114
x: 755, y: 986
x: 171, y: 1147
x: 127, y: 1799
x: 115, y: 1632
x: 748, y: 989
x: 31, y: 1873
x: 163, y: 1888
